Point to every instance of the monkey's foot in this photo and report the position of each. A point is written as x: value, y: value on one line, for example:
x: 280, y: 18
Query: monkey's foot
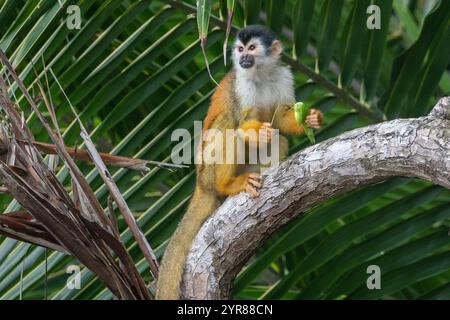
x: 254, y: 183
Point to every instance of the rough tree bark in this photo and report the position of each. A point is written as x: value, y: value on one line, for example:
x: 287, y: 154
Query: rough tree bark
x: 407, y: 147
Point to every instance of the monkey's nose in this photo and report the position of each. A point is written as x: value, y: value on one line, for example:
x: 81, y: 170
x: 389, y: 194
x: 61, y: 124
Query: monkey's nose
x: 247, y: 61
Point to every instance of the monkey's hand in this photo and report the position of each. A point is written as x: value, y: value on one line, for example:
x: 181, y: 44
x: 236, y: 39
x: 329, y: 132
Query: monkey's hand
x: 257, y: 132
x: 314, y: 119
x: 254, y: 183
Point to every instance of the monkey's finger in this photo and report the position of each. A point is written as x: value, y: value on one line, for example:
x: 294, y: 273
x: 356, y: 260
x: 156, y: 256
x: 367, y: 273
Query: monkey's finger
x: 266, y: 130
x: 313, y: 122
x: 248, y: 190
x: 314, y: 125
x: 267, y: 125
x: 255, y: 183
x: 265, y: 136
x: 318, y: 114
x: 255, y: 176
x: 255, y: 193
x: 268, y: 136
x: 313, y: 119
x: 262, y: 139
x: 252, y: 191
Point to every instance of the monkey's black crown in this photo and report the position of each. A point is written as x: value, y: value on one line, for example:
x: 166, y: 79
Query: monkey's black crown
x: 257, y: 31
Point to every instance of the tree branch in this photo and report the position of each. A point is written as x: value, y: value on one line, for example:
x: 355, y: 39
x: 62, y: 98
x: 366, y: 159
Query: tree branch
x: 405, y: 147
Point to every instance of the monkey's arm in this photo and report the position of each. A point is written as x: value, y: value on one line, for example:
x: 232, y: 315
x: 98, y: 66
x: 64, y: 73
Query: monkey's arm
x: 284, y: 120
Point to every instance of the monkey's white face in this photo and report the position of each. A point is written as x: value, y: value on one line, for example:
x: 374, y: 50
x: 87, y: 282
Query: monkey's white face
x: 254, y: 54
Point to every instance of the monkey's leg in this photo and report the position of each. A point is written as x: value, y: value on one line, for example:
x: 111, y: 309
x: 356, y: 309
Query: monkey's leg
x: 228, y: 183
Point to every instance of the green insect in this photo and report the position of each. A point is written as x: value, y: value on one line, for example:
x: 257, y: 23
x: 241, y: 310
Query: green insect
x: 301, y: 111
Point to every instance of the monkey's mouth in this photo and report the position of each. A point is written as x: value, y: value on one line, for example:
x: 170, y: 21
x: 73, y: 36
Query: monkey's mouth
x: 246, y: 65
x: 247, y: 62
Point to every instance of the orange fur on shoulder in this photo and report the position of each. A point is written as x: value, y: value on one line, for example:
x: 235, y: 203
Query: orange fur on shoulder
x: 219, y: 101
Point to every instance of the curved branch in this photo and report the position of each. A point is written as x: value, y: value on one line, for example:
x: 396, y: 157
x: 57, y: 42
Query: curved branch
x: 407, y: 147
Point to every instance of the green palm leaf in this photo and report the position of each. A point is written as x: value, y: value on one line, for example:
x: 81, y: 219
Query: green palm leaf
x: 135, y: 71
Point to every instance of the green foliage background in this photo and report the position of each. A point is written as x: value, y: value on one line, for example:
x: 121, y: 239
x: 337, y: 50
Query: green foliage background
x: 135, y: 72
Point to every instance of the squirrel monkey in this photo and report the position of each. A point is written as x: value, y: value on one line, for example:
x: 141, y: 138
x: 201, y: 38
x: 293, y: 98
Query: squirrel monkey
x: 257, y: 94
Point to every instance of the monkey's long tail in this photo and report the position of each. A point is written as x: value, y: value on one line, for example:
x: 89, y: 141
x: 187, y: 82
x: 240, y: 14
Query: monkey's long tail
x: 171, y: 271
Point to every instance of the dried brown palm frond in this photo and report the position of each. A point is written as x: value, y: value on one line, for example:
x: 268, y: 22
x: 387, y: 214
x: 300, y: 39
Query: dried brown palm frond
x: 21, y: 225
x: 72, y: 223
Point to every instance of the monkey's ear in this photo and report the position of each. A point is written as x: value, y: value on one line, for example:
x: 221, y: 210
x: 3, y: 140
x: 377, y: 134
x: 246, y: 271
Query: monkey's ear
x: 276, y: 47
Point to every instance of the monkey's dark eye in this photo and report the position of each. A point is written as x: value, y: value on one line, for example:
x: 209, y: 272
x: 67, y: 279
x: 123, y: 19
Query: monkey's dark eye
x: 241, y: 49
x: 252, y: 47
